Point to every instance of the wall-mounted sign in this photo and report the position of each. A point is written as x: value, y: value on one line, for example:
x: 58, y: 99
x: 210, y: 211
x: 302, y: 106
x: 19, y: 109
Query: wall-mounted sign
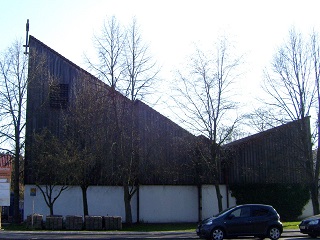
x: 4, y: 194
x: 33, y: 192
x: 5, y: 166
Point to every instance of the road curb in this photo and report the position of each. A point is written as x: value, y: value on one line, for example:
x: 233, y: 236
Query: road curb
x: 292, y: 233
x: 81, y: 235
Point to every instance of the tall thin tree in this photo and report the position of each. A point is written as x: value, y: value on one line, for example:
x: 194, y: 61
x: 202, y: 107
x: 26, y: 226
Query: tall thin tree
x: 125, y: 63
x: 315, y: 50
x: 203, y: 96
x: 139, y: 76
x: 291, y: 90
x: 13, y: 94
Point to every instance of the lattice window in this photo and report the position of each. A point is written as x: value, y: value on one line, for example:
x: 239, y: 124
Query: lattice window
x: 59, y: 95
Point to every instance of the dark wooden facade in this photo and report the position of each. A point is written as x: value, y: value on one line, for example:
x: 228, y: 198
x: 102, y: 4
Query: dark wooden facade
x: 166, y: 147
x: 165, y: 152
x: 277, y: 155
x: 163, y: 147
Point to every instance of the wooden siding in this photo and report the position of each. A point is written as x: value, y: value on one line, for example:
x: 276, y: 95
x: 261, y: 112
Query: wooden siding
x: 274, y: 156
x: 167, y: 153
x: 166, y: 147
x: 163, y: 146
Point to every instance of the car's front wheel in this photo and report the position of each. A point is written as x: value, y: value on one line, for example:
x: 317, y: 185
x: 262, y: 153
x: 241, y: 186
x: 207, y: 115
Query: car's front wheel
x: 217, y: 234
x: 274, y: 233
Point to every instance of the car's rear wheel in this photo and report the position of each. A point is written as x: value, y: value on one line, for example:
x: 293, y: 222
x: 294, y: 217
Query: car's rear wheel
x: 217, y: 234
x: 274, y: 233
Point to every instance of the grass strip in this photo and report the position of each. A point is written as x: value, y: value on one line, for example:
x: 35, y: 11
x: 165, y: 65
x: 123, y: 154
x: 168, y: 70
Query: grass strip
x: 150, y: 227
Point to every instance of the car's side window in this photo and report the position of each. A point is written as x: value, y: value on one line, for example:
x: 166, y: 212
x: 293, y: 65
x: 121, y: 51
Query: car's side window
x: 236, y: 213
x: 242, y: 212
x: 245, y: 212
x: 257, y: 212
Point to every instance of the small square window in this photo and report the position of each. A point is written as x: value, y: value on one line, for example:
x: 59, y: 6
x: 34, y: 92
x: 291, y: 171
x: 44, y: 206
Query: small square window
x: 59, y: 96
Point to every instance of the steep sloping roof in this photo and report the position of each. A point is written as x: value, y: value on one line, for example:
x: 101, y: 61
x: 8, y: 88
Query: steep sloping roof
x: 161, y: 139
x: 36, y: 43
x: 163, y: 142
x: 266, y: 133
x: 278, y: 155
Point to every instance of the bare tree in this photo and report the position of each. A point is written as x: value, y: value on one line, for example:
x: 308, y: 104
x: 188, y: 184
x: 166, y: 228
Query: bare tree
x: 263, y: 119
x: 315, y: 168
x: 129, y: 69
x: 290, y: 85
x: 109, y: 45
x: 85, y: 136
x: 140, y: 69
x: 139, y: 76
x: 50, y: 167
x: 289, y: 82
x: 13, y: 93
x: 204, y: 98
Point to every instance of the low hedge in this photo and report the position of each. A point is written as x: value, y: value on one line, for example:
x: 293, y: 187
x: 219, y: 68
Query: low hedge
x: 289, y: 200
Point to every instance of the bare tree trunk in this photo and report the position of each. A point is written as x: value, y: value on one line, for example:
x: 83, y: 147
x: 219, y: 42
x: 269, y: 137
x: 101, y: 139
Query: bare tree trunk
x: 315, y: 186
x: 199, y: 202
x: 219, y: 196
x: 314, y: 197
x: 127, y: 203
x: 316, y: 58
x: 313, y: 173
x: 85, y: 200
x: 16, y: 191
x: 312, y: 167
x: 51, y: 209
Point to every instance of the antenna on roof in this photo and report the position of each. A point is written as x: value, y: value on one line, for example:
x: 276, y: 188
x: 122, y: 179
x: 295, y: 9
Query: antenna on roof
x: 27, y: 37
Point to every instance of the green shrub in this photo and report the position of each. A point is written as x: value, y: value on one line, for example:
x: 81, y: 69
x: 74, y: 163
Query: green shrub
x: 289, y: 200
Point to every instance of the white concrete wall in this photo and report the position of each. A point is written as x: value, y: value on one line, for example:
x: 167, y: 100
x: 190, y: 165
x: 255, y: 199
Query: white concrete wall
x: 307, y: 211
x: 210, y: 202
x: 168, y: 204
x: 158, y: 204
x: 103, y: 201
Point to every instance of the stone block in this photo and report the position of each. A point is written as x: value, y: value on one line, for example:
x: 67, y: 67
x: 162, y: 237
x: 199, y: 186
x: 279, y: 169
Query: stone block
x: 54, y: 222
x: 112, y: 223
x: 35, y: 221
x: 74, y: 222
x: 93, y: 222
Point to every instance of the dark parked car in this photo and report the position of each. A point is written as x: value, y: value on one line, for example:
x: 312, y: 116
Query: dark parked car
x: 244, y: 220
x: 311, y: 226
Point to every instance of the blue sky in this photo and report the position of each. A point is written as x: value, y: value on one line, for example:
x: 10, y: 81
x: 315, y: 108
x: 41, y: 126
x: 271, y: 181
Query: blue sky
x: 257, y: 27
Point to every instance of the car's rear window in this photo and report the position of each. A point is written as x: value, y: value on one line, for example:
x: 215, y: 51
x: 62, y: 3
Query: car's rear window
x: 259, y: 211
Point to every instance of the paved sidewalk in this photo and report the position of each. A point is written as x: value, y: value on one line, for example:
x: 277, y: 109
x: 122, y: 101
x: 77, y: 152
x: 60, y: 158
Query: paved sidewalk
x: 79, y: 235
x: 292, y: 233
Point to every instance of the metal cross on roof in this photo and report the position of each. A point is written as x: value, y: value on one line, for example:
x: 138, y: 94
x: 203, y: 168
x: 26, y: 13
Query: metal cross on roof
x: 27, y: 37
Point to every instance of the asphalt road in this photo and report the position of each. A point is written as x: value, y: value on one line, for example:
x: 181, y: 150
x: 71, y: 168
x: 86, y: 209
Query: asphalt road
x: 79, y: 235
